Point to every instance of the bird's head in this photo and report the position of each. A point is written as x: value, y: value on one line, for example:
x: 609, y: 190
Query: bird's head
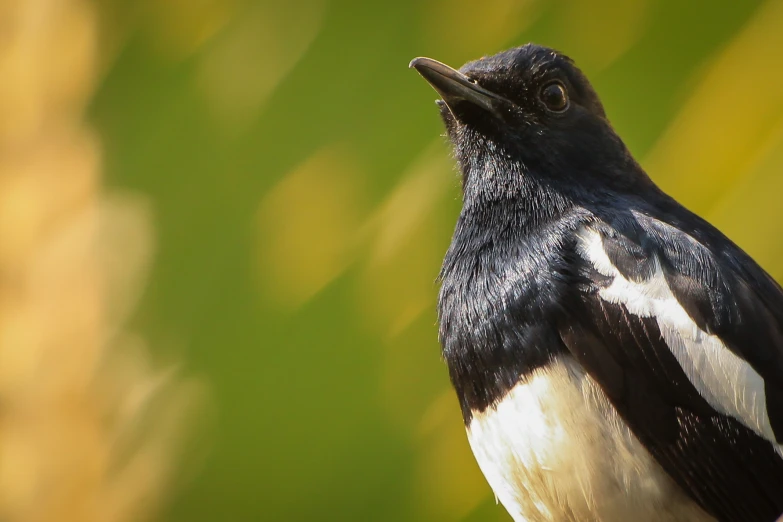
x: 526, y: 111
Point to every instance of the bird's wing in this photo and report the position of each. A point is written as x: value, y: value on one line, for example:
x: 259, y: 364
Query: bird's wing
x: 687, y: 343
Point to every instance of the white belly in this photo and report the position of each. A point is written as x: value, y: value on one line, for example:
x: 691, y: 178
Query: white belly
x: 554, y: 449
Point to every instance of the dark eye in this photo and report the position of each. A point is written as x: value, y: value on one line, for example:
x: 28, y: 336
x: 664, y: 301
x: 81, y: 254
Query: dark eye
x: 555, y: 97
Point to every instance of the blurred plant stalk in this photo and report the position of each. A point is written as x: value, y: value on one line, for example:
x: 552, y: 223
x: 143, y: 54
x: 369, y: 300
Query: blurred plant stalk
x: 87, y: 425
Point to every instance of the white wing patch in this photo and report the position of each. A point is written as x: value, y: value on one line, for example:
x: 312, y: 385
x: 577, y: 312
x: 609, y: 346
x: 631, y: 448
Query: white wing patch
x: 727, y: 382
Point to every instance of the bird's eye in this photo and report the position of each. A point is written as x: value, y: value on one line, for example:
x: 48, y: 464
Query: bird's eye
x: 555, y: 97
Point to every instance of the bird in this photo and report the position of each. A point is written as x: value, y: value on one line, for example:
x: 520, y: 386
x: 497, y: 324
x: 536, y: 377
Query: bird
x: 615, y: 357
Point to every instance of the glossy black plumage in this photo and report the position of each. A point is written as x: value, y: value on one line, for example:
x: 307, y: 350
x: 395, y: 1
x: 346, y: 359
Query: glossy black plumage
x: 517, y: 293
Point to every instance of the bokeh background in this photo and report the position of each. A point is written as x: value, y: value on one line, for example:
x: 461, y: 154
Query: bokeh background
x: 222, y: 221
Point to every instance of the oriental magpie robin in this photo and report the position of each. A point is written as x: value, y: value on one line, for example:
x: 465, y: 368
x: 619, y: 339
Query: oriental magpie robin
x: 615, y: 357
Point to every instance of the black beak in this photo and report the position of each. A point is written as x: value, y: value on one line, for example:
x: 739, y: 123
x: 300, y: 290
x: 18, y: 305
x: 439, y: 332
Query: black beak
x: 454, y: 87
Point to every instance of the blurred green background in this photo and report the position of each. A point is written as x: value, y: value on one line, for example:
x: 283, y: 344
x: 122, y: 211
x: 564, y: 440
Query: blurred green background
x: 303, y: 199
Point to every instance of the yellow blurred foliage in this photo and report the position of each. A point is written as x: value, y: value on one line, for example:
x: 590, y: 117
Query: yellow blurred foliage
x: 42, y: 184
x: 243, y: 67
x: 183, y: 26
x: 459, y: 27
x: 398, y: 281
x: 71, y: 266
x: 598, y: 32
x: 396, y: 286
x: 46, y: 62
x: 447, y: 482
x: 750, y: 211
x: 735, y: 106
x: 308, y: 225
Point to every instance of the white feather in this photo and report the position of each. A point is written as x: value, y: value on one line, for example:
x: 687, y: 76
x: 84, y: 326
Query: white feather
x: 554, y: 449
x: 727, y: 382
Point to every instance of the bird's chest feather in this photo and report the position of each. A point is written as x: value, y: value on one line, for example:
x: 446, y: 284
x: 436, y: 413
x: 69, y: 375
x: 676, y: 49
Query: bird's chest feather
x: 553, y: 448
x: 495, y: 311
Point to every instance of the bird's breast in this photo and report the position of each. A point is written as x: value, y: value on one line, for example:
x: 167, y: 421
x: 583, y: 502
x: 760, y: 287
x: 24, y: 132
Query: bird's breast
x: 555, y: 449
x: 497, y: 309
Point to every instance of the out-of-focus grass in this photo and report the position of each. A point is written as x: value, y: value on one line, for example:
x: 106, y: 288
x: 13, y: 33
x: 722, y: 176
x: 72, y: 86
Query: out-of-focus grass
x: 299, y: 198
x: 89, y: 425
